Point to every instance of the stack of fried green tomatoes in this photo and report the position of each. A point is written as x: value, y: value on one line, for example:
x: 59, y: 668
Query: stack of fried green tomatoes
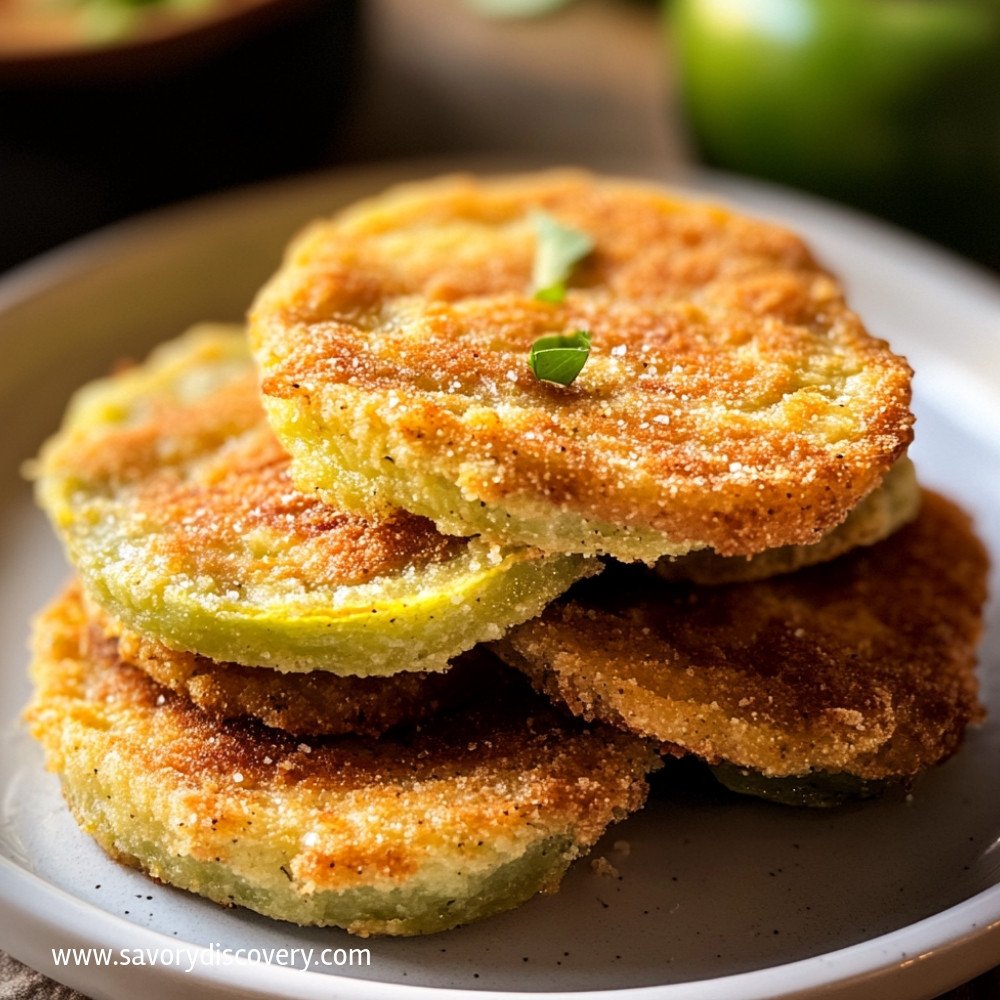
x: 386, y: 607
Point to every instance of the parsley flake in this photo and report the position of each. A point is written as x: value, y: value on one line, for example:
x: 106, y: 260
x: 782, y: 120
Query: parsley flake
x: 558, y: 250
x: 559, y: 357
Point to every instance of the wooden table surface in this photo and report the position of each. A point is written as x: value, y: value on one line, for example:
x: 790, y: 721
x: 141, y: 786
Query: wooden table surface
x: 591, y: 84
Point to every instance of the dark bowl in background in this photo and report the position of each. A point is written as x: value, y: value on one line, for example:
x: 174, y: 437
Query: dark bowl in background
x: 90, y: 134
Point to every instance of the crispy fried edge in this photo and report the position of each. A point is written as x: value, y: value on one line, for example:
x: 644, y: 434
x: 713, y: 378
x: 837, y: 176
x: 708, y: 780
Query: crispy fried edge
x: 820, y: 501
x: 895, y: 503
x: 319, y: 703
x: 479, y: 591
x: 378, y: 837
x: 900, y: 734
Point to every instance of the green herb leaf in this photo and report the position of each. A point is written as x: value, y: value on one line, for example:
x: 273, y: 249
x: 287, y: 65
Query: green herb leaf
x: 559, y: 357
x: 559, y: 249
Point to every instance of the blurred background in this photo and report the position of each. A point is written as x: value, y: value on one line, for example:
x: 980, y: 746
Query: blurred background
x: 111, y: 107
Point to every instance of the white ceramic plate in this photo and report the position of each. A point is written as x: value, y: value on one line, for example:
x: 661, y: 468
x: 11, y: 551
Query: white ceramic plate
x: 718, y: 897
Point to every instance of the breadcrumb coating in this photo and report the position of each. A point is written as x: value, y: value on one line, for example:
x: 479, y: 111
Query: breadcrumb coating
x: 317, y: 703
x: 175, y: 504
x: 861, y: 666
x: 889, y: 506
x: 731, y: 399
x: 466, y: 815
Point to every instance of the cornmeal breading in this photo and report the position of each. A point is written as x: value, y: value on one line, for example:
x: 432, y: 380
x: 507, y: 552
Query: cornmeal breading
x: 467, y: 815
x: 892, y: 504
x: 731, y: 399
x: 175, y: 504
x: 862, y: 666
x: 309, y: 704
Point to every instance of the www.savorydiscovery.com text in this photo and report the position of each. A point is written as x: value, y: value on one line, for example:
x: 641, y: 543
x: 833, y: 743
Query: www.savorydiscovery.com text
x: 189, y: 959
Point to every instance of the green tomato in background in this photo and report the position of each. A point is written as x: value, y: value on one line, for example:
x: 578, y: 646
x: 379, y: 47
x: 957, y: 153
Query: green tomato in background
x: 893, y: 105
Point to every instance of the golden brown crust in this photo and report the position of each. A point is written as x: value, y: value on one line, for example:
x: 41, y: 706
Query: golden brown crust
x: 174, y: 500
x: 294, y: 827
x: 731, y: 398
x: 312, y: 704
x: 243, y: 491
x: 887, y: 508
x: 862, y: 665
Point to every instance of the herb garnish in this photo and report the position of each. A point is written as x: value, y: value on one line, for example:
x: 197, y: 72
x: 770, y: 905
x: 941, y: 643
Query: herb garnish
x: 559, y: 248
x: 559, y: 357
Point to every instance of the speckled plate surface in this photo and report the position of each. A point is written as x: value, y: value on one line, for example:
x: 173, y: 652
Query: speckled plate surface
x: 717, y: 897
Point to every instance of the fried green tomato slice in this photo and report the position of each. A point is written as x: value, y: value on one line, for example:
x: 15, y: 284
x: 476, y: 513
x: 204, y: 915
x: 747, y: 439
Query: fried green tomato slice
x: 730, y: 400
x: 173, y: 499
x: 467, y: 815
x: 318, y: 703
x: 883, y: 511
x: 863, y: 666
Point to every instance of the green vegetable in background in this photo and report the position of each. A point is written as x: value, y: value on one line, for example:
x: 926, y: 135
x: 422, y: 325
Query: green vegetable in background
x: 559, y: 357
x: 893, y: 105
